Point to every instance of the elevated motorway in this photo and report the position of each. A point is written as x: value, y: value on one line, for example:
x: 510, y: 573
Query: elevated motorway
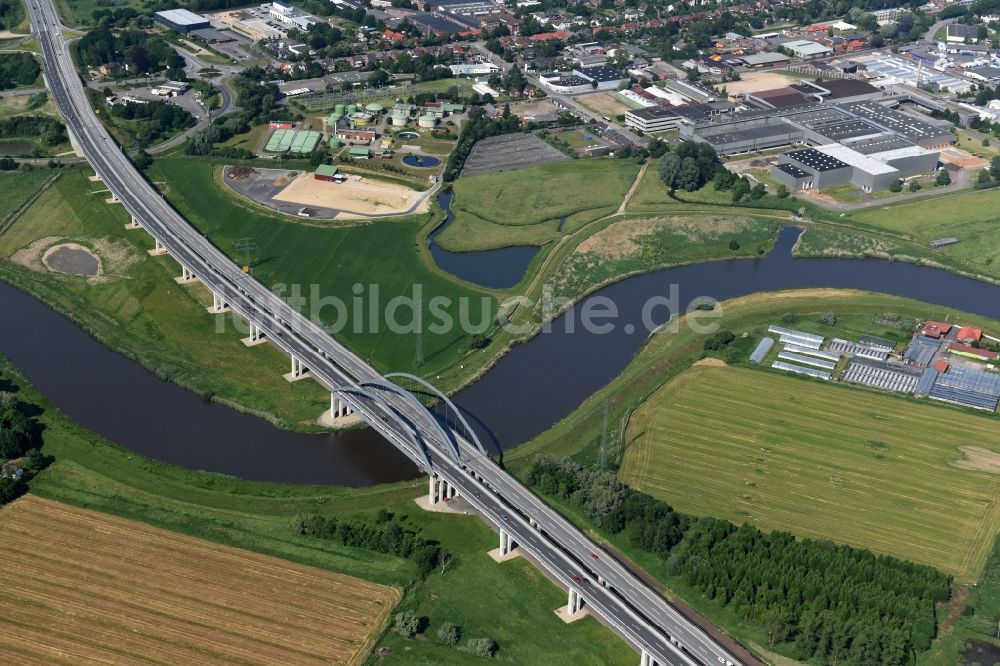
x: 453, y: 458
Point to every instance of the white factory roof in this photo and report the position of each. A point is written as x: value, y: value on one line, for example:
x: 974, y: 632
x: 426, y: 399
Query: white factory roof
x: 899, y: 153
x: 855, y: 159
x: 181, y: 16
x: 804, y: 47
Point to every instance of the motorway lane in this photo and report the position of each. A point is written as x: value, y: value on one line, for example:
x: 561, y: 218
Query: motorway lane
x: 335, y: 367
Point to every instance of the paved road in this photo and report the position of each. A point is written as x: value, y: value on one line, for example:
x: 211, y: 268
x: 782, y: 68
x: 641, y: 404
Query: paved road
x: 623, y: 602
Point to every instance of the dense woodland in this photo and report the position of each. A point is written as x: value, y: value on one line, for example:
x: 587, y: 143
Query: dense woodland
x: 159, y: 119
x: 45, y: 129
x: 830, y: 603
x: 141, y: 52
x: 20, y: 437
x: 18, y: 69
x: 11, y: 14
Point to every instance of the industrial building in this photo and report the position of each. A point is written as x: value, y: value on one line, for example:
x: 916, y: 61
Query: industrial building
x: 182, y: 20
x: 652, y: 119
x: 807, y: 50
x: 593, y: 77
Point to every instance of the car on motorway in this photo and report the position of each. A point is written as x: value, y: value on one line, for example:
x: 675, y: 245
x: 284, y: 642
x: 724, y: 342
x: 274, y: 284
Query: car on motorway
x: 577, y: 580
x: 593, y: 556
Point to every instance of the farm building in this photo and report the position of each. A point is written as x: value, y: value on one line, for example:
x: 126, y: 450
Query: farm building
x: 350, y: 134
x: 360, y: 152
x: 972, y: 352
x: 181, y: 20
x: 969, y: 334
x: 935, y: 329
x: 325, y: 172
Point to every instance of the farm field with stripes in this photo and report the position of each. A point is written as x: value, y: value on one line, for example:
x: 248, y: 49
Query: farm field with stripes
x: 86, y: 587
x: 915, y: 480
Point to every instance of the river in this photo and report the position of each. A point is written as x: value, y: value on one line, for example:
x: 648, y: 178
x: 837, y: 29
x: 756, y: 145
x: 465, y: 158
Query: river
x: 526, y: 392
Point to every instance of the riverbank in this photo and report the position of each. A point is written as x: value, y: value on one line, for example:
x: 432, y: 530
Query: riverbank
x: 597, y: 430
x: 92, y: 473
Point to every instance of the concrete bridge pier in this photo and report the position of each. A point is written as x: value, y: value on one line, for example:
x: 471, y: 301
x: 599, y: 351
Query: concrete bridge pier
x: 506, y: 543
x: 218, y: 304
x: 647, y: 659
x: 432, y: 490
x: 187, y: 275
x: 134, y: 224
x: 574, y: 603
x: 256, y: 336
x: 158, y: 249
x: 338, y: 408
x: 298, y: 370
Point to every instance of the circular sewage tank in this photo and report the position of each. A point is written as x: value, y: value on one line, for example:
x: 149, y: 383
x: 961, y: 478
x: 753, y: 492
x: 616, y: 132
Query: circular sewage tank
x: 421, y: 161
x: 427, y: 120
x: 360, y: 119
x: 398, y: 120
x: 340, y: 110
x: 374, y: 108
x: 351, y: 109
x: 407, y: 135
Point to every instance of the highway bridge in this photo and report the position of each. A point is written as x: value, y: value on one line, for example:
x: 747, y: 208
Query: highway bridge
x: 452, y: 457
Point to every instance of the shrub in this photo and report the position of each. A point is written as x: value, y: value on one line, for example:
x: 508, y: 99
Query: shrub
x: 789, y: 318
x: 406, y: 624
x: 734, y: 245
x: 449, y: 634
x: 482, y: 647
x: 719, y: 340
x: 828, y: 319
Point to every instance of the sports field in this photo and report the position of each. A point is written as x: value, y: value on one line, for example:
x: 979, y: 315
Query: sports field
x: 82, y: 586
x: 821, y: 461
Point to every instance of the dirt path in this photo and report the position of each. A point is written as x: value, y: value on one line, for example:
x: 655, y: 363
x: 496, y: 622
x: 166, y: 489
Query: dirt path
x: 635, y: 186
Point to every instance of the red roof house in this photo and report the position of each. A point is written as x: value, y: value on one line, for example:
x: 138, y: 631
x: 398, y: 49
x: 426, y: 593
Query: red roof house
x: 941, y: 365
x: 935, y: 329
x: 969, y: 334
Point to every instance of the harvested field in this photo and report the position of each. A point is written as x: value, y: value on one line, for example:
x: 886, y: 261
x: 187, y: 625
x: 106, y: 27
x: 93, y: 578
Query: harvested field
x: 510, y: 151
x: 825, y: 462
x: 603, y: 103
x: 85, y: 587
x: 751, y: 82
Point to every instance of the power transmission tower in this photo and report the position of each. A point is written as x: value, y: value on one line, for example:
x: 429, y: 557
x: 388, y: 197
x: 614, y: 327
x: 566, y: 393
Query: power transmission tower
x: 246, y: 246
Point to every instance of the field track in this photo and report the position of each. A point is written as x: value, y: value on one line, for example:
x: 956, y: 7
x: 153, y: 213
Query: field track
x: 82, y: 587
x: 820, y: 461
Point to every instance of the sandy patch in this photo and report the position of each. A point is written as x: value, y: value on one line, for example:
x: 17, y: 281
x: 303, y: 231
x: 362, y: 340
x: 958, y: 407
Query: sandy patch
x: 978, y: 459
x: 751, y: 82
x: 115, y: 258
x: 963, y: 159
x: 72, y: 259
x: 712, y: 362
x: 194, y: 48
x: 357, y: 196
x: 7, y: 34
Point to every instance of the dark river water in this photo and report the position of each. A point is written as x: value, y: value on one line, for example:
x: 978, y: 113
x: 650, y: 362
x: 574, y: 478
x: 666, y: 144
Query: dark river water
x: 531, y: 388
x: 496, y: 269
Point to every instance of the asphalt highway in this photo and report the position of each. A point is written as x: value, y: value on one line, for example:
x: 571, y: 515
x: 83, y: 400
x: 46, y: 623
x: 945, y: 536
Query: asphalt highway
x: 612, y: 593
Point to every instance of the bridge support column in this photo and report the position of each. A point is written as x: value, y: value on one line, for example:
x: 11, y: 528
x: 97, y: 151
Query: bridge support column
x: 533, y: 523
x: 218, y: 304
x: 574, y: 603
x: 158, y: 249
x: 432, y: 490
x: 338, y: 407
x: 134, y: 224
x: 187, y: 275
x: 256, y: 336
x: 451, y: 491
x: 506, y: 543
x: 646, y: 660
x: 112, y: 199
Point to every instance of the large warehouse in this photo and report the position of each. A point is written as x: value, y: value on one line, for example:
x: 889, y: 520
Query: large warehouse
x: 182, y: 20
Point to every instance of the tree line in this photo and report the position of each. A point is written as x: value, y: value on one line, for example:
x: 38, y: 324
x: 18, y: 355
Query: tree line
x: 142, y: 52
x: 829, y: 603
x: 383, y: 535
x: 158, y: 119
x: 477, y: 127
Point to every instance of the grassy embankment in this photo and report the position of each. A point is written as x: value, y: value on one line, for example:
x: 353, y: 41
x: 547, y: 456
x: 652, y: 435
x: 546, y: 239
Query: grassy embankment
x: 821, y: 461
x: 138, y: 309
x: 17, y: 188
x: 668, y: 354
x: 511, y: 602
